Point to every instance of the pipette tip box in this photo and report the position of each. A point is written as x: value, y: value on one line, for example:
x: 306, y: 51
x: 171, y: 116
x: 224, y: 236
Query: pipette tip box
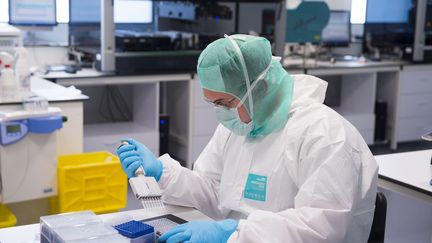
x: 137, y: 231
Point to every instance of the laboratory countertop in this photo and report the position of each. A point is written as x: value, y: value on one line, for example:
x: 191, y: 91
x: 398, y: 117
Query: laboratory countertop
x: 52, y: 92
x: 311, y: 64
x: 293, y: 65
x: 91, y: 77
x: 83, y: 73
x: 31, y: 232
x: 92, y: 73
x: 412, y: 170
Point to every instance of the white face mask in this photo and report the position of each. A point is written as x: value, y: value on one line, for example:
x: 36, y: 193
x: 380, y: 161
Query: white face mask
x: 229, y: 117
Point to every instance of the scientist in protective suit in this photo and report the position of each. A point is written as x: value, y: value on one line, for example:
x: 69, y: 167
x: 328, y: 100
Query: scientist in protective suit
x: 280, y: 167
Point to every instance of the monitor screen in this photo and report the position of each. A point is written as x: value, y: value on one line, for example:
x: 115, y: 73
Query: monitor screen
x: 132, y: 11
x: 125, y: 11
x: 84, y: 11
x: 32, y: 12
x: 388, y: 11
x: 338, y: 29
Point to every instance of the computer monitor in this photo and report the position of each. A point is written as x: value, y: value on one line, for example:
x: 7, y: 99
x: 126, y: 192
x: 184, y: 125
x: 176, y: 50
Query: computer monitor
x: 388, y: 11
x: 32, y: 12
x: 84, y: 11
x: 338, y: 30
x: 133, y: 12
x: 390, y: 23
x: 125, y: 12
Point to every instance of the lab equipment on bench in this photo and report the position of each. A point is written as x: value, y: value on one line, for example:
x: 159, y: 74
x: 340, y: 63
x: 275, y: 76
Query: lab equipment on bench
x: 306, y: 23
x: 14, y: 55
x: 49, y: 224
x: 8, y: 84
x: 10, y: 38
x: 146, y: 188
x: 28, y: 157
x: 107, y: 191
x: 86, y: 226
x: 82, y: 226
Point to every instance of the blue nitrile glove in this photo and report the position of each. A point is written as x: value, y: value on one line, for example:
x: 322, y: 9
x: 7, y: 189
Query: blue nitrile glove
x: 201, y: 231
x: 134, y: 155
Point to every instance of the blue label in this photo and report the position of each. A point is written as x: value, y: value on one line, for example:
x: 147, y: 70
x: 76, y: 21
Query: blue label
x: 256, y: 186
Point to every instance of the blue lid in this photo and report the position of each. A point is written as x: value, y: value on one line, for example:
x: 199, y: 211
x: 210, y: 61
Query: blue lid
x: 44, y: 125
x: 134, y: 229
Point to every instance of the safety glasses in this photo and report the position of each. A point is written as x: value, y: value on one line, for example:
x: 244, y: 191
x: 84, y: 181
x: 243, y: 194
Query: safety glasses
x: 225, y: 103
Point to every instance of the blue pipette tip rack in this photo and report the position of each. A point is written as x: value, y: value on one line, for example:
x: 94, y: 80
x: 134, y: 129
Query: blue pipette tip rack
x: 134, y: 229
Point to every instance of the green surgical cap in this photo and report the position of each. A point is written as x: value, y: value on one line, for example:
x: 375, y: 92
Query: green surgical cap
x: 220, y: 69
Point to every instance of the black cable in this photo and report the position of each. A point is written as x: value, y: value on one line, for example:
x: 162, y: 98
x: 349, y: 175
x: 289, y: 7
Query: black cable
x: 124, y: 103
x: 110, y: 111
x: 101, y: 103
x: 121, y: 106
x: 120, y: 103
x: 116, y: 105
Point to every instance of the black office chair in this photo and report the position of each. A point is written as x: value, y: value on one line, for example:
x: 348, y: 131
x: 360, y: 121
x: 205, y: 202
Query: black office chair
x: 379, y: 220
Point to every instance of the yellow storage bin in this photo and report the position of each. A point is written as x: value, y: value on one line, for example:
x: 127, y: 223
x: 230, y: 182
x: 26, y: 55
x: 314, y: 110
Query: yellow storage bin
x: 7, y: 218
x: 90, y: 181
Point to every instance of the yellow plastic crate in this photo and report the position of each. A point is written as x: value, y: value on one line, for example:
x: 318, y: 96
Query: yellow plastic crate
x: 90, y: 181
x: 7, y: 218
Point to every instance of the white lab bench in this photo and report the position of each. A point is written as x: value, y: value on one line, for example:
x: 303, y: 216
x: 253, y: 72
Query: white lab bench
x: 404, y: 179
x: 408, y: 173
x: 31, y: 233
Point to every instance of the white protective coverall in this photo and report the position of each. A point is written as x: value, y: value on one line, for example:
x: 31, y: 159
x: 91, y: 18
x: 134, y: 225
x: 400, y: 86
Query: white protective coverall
x: 321, y: 177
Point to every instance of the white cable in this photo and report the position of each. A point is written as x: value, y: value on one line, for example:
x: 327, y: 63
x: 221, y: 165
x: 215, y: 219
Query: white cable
x: 260, y: 77
x: 245, y: 73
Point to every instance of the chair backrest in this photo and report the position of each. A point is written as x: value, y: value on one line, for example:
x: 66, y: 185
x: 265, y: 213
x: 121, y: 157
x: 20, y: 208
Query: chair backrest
x: 379, y: 220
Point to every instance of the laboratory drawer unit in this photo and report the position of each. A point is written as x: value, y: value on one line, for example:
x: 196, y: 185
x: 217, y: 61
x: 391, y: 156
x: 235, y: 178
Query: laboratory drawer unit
x: 412, y: 128
x: 416, y: 79
x: 415, y: 102
x: 415, y: 105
